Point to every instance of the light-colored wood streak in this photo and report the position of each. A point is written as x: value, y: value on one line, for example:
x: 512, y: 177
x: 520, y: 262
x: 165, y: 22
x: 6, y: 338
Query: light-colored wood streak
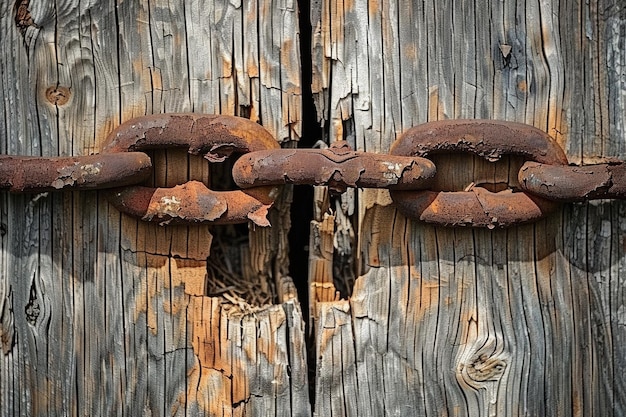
x: 524, y: 321
x: 101, y: 314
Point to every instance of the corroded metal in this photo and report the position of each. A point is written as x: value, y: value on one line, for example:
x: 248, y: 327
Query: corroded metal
x: 545, y: 177
x: 574, y: 183
x: 214, y: 136
x: 191, y: 202
x: 338, y: 167
x: 478, y: 207
x: 39, y: 174
x: 490, y: 139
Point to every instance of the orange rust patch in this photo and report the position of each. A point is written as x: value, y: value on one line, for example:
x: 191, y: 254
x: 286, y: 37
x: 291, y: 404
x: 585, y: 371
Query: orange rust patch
x: 429, y: 295
x: 156, y: 79
x: 434, y: 106
x: 205, y: 314
x: 209, y: 389
x: 143, y: 302
x: 192, y: 274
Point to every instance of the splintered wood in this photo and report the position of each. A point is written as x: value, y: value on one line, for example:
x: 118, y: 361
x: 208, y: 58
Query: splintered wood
x: 241, y: 356
x: 321, y: 284
x: 331, y: 249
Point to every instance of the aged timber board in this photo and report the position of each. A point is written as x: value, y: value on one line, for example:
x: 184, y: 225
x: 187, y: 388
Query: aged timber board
x: 524, y: 321
x: 101, y: 314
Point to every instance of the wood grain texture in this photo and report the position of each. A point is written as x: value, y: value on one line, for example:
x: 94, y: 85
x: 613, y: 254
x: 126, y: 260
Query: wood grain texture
x: 525, y: 321
x: 101, y: 314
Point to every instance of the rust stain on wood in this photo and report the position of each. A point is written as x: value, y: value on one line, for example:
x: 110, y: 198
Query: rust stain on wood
x: 210, y: 377
x: 332, y: 317
x: 190, y: 273
x: 205, y: 318
x: 374, y: 8
x: 429, y: 295
x: 209, y: 390
x: 409, y: 52
x: 234, y: 346
x: 146, y: 294
x: 435, y: 110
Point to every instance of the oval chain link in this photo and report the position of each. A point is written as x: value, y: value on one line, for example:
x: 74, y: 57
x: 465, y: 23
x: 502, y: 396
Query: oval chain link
x: 477, y: 207
x: 216, y: 137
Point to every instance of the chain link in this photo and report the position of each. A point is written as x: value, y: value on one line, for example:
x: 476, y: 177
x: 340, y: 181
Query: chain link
x: 338, y: 167
x: 574, y: 183
x: 216, y: 137
x: 545, y: 179
x: 477, y: 207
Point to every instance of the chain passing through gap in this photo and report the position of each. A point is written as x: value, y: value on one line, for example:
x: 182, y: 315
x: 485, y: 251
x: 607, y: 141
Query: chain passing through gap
x: 546, y: 178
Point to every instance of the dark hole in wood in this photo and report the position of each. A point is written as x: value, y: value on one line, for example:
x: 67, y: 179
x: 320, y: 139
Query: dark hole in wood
x: 302, y: 206
x: 229, y: 275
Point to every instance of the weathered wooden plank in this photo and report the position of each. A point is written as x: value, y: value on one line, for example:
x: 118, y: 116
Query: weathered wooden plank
x: 493, y: 309
x: 100, y: 313
x: 336, y: 366
x: 617, y: 311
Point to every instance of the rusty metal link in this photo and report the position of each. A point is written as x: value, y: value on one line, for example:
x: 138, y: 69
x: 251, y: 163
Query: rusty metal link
x: 214, y: 136
x: 574, y: 183
x: 29, y: 174
x: 545, y: 178
x: 477, y: 207
x: 338, y: 167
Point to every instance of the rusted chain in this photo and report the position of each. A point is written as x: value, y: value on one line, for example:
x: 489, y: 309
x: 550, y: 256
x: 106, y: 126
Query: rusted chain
x: 477, y: 207
x: 214, y: 136
x: 337, y: 167
x: 545, y: 178
x: 27, y: 174
x: 574, y: 183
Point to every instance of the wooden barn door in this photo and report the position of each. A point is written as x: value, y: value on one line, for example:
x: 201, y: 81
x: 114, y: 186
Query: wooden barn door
x: 102, y: 314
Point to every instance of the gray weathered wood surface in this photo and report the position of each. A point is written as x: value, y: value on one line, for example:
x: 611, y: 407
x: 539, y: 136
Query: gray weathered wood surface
x: 100, y: 314
x: 103, y: 315
x: 525, y: 321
